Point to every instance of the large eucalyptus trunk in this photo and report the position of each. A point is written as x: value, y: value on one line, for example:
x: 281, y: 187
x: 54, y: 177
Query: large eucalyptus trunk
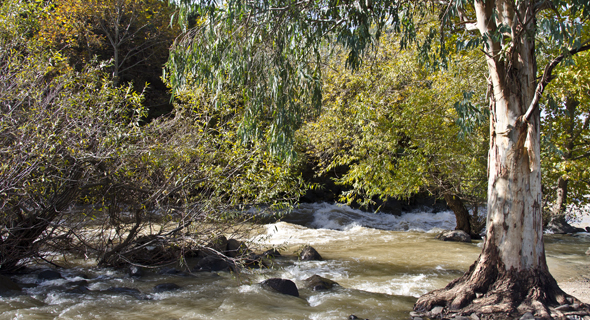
x: 510, y: 276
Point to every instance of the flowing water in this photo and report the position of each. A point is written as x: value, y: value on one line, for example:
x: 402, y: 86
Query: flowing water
x: 382, y: 263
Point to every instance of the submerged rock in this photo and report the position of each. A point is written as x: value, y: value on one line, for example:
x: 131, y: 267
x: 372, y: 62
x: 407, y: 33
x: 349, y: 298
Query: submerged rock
x: 78, y: 289
x: 454, y: 235
x: 283, y: 286
x: 123, y: 290
x: 317, y: 283
x: 8, y: 287
x: 309, y: 253
x: 49, y: 275
x: 163, y: 287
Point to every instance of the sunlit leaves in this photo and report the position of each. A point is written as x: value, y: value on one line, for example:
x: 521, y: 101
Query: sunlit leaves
x: 393, y: 124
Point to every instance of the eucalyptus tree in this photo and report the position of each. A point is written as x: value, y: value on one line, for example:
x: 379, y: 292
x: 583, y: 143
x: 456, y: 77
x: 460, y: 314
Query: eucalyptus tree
x: 269, y: 51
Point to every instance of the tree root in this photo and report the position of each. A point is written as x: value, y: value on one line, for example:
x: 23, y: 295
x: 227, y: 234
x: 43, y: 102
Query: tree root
x: 491, y: 294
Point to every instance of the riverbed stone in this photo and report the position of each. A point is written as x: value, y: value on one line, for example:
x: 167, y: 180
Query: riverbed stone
x: 309, y: 253
x: 8, y: 287
x: 219, y: 244
x: 474, y: 316
x: 235, y: 248
x: 283, y: 286
x: 212, y: 263
x: 168, y: 286
x: 588, y: 252
x: 436, y: 310
x: 123, y: 290
x: 317, y: 283
x: 454, y: 235
x: 78, y: 289
x: 272, y: 253
x: 49, y: 275
x: 527, y: 316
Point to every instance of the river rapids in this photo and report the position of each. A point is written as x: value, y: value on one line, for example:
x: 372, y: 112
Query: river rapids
x: 382, y: 263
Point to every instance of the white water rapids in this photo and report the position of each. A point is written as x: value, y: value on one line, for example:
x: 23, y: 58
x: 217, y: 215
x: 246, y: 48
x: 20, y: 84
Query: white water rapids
x: 382, y: 263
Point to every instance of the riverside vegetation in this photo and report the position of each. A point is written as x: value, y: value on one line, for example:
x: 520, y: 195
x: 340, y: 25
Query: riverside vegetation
x: 103, y: 156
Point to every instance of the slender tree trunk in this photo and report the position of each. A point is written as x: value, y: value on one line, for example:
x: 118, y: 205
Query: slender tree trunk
x: 561, y: 197
x: 510, y: 276
x: 461, y: 213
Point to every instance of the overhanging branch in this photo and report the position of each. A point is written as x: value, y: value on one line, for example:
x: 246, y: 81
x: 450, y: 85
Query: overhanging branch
x: 546, y: 78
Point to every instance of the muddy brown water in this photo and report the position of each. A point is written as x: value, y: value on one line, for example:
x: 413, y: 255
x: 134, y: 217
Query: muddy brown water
x: 382, y: 263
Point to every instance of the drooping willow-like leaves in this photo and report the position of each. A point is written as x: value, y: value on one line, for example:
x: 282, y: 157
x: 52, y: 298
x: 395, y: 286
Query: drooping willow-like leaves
x: 267, y: 54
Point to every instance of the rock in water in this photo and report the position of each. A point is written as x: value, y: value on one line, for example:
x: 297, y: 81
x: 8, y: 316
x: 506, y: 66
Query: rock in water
x: 49, y: 275
x: 454, y: 235
x: 219, y: 244
x: 212, y: 263
x: 309, y: 253
x: 8, y: 287
x: 283, y: 286
x: 272, y: 253
x: 163, y: 287
x: 235, y: 248
x: 317, y: 283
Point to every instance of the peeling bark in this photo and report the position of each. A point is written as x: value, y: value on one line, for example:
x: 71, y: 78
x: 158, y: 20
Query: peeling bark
x: 510, y: 276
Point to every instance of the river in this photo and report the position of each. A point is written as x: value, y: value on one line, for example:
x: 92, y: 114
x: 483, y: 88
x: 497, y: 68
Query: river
x: 382, y: 263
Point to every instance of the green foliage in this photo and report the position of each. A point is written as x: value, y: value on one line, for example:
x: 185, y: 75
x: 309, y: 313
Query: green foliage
x: 268, y: 53
x: 566, y: 132
x: 397, y: 128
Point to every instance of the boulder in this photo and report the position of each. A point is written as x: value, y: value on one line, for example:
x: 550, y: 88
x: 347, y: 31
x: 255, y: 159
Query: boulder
x: 8, y: 287
x: 272, y: 253
x: 163, y: 287
x: 235, y: 248
x: 454, y: 235
x: 49, y: 275
x: 309, y: 253
x: 78, y: 289
x: 283, y: 286
x: 212, y: 263
x: 559, y: 225
x: 218, y: 244
x: 317, y: 283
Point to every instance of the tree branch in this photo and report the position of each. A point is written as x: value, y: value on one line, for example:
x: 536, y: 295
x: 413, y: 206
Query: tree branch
x: 546, y: 78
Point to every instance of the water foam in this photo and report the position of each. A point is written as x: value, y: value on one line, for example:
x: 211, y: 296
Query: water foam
x: 342, y: 217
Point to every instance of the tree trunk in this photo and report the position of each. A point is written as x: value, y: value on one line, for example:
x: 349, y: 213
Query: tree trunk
x: 561, y: 197
x: 461, y: 214
x: 510, y: 276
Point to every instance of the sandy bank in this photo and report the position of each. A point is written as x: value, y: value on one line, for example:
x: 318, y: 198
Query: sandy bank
x: 579, y: 289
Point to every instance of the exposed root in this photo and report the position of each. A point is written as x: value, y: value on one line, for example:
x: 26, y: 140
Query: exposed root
x: 491, y: 294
